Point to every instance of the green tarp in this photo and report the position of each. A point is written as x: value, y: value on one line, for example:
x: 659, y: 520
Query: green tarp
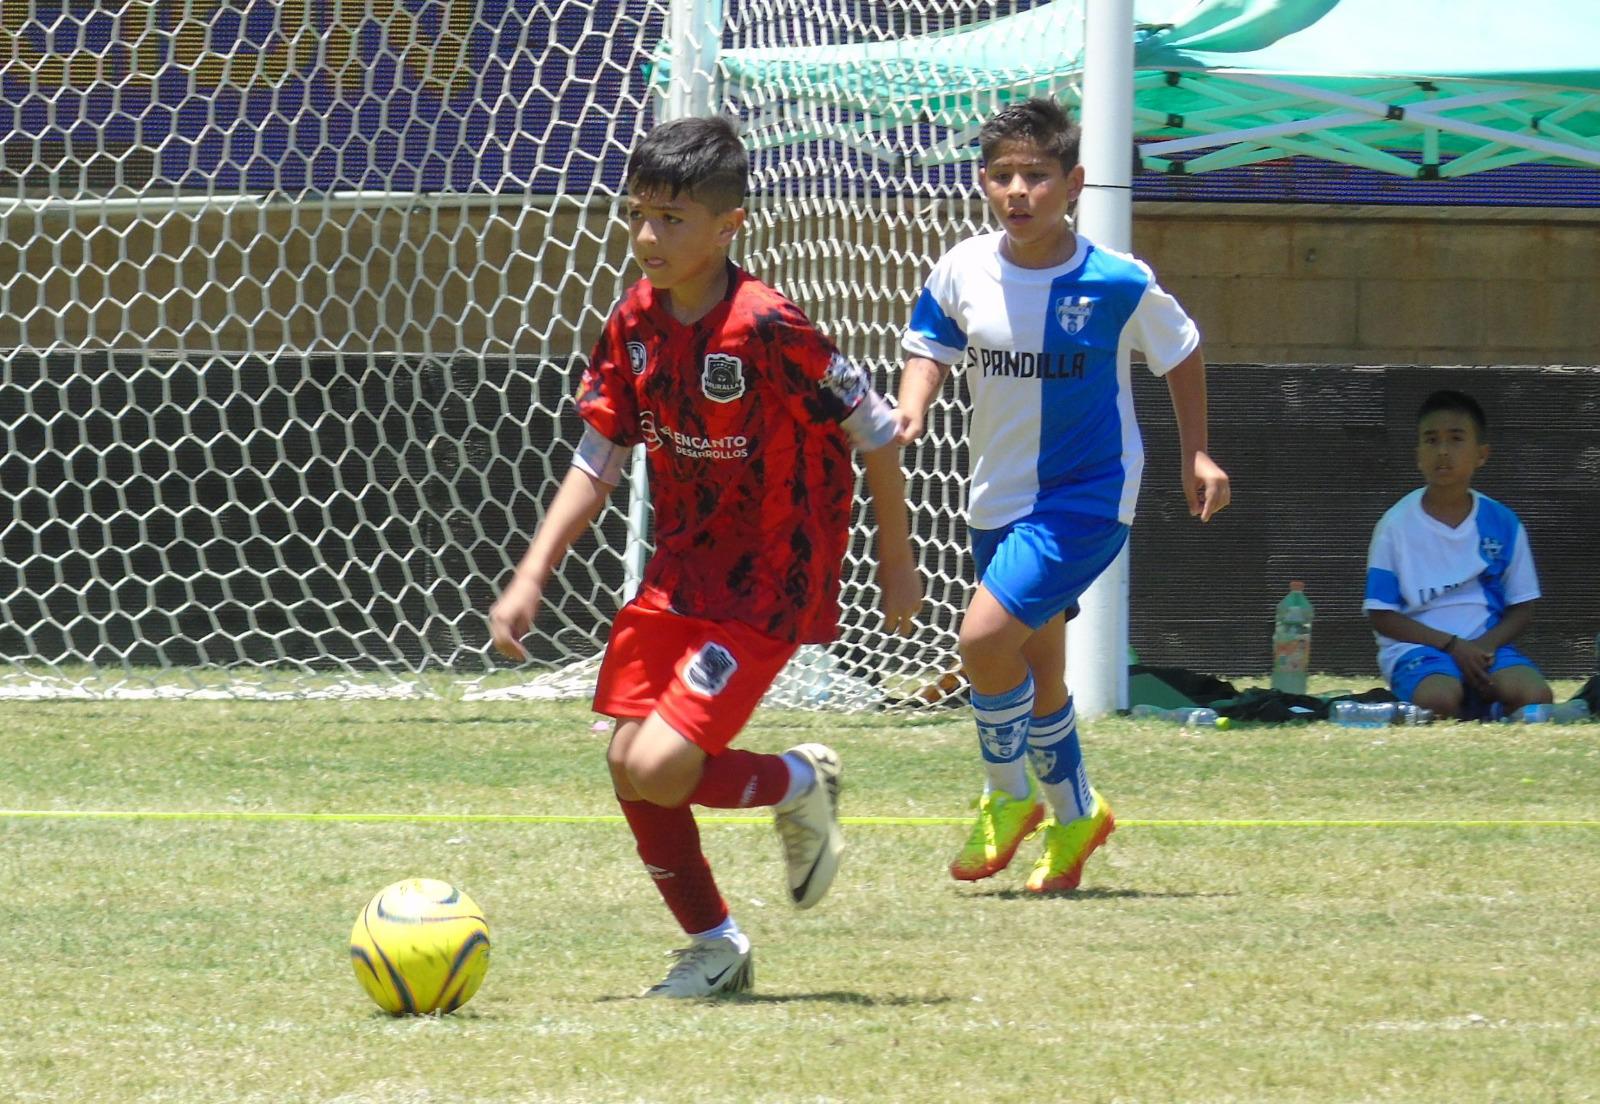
x: 1460, y: 85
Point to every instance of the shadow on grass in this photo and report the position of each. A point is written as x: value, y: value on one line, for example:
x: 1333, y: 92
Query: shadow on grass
x: 1087, y: 895
x: 831, y: 996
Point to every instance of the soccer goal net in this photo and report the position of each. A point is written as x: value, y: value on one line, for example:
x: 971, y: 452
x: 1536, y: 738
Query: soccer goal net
x: 293, y: 302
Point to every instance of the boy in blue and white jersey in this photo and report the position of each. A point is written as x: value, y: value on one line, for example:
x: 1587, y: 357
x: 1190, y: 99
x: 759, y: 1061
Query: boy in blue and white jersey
x: 1042, y: 321
x: 1450, y: 578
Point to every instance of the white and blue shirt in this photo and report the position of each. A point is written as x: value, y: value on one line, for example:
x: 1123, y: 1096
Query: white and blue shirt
x: 1045, y: 353
x: 1457, y: 580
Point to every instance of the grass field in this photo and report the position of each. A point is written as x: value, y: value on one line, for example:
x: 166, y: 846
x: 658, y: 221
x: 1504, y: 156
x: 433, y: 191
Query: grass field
x: 1445, y: 948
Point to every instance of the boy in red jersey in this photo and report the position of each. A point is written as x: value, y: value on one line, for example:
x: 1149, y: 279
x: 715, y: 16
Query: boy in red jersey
x: 748, y: 414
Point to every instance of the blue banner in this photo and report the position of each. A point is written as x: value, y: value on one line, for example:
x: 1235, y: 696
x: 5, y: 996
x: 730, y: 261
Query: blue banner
x: 326, y: 95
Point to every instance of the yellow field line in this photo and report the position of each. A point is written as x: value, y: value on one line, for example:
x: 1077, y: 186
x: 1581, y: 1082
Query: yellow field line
x: 864, y: 821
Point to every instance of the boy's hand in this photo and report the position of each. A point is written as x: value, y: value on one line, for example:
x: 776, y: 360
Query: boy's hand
x: 901, y: 584
x: 512, y: 616
x: 1205, y: 486
x: 911, y: 424
x: 1474, y: 662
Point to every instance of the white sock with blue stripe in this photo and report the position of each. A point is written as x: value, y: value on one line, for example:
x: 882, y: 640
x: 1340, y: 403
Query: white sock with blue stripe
x: 1058, y: 762
x: 1003, y: 737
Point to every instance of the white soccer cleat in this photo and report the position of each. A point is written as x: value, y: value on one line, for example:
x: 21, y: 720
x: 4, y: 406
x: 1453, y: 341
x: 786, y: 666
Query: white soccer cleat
x: 708, y: 967
x: 809, y: 828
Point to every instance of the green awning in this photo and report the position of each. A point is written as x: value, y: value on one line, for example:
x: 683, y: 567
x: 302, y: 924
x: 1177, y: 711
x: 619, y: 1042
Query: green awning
x: 1458, y: 86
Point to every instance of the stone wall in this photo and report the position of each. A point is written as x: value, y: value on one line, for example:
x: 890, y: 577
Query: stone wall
x: 1381, y: 285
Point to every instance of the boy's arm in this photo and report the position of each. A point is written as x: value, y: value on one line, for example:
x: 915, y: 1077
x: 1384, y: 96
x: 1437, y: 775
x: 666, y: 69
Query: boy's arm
x: 919, y: 383
x: 575, y: 506
x: 1205, y: 485
x: 898, y: 577
x: 1516, y: 620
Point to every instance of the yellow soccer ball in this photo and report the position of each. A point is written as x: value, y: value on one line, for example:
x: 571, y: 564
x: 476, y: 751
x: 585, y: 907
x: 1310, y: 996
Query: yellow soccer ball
x: 420, y: 946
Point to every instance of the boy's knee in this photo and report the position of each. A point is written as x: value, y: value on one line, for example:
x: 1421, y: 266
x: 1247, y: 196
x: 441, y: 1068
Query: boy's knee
x: 1439, y: 695
x: 1520, y: 692
x: 983, y: 653
x: 658, y: 766
x: 616, y: 763
x: 661, y: 786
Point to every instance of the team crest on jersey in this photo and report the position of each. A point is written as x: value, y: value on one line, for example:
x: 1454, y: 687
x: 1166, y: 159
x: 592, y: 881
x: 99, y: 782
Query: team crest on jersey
x: 1073, y: 311
x: 722, y: 377
x: 709, y: 669
x: 1490, y: 549
x: 638, y: 357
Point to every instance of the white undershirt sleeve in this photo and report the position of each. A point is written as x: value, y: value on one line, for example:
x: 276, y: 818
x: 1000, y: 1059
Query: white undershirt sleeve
x: 871, y: 425
x: 600, y: 456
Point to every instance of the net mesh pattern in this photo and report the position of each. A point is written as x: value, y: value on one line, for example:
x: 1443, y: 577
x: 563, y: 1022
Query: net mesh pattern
x: 293, y: 302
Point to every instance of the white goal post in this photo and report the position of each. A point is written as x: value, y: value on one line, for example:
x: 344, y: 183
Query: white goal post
x: 294, y: 298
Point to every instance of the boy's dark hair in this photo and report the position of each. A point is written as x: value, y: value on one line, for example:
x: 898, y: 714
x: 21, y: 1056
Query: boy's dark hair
x: 701, y: 157
x: 1459, y: 401
x: 1041, y: 121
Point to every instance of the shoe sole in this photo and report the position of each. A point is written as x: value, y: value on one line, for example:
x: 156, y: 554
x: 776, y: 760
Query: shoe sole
x: 1068, y: 880
x: 820, y: 878
x: 1002, y: 860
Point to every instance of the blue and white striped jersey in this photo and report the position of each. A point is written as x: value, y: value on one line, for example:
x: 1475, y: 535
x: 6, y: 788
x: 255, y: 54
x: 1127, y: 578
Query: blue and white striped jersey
x: 1045, y: 353
x: 1456, y: 580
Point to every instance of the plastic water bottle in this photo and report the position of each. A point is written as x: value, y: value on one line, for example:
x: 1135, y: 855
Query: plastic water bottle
x: 1409, y: 713
x: 1567, y: 712
x: 1354, y: 714
x: 1570, y: 712
x: 1291, y: 640
x: 1194, y: 716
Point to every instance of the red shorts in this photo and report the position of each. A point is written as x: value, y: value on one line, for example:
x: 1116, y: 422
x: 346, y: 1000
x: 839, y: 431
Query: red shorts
x: 705, y: 678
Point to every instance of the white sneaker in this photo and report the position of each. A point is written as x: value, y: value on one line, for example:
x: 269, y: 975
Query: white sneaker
x: 706, y: 967
x: 809, y: 828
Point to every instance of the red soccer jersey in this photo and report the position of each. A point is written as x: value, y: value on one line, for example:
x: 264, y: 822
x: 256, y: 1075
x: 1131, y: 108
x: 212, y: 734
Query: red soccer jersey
x: 750, y: 473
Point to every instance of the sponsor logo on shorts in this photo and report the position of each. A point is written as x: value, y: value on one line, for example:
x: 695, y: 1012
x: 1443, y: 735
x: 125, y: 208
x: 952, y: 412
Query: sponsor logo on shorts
x: 708, y: 672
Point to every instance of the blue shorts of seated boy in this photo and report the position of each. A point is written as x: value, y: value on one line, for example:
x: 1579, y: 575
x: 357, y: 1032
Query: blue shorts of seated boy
x: 1040, y: 565
x: 1422, y: 661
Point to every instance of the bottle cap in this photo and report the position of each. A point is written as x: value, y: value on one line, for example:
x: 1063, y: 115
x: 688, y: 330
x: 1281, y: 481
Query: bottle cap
x: 1297, y: 584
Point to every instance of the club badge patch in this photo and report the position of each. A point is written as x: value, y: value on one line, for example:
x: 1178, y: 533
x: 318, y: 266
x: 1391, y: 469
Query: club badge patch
x: 845, y: 380
x: 1073, y: 311
x: 722, y: 377
x: 709, y: 669
x: 638, y: 357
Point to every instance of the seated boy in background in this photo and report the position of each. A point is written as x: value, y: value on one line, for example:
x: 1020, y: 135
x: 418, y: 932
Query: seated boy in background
x: 1450, y: 578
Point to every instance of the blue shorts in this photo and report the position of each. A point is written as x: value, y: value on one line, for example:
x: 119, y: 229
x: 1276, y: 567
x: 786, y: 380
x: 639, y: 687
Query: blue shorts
x: 1040, y: 565
x: 1422, y: 661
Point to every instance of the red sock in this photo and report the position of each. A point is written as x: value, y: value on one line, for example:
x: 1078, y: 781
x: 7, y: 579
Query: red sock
x: 740, y: 780
x: 669, y: 844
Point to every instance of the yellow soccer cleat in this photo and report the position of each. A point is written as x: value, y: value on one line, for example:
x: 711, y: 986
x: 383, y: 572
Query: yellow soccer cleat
x: 1068, y: 846
x: 1003, y: 823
